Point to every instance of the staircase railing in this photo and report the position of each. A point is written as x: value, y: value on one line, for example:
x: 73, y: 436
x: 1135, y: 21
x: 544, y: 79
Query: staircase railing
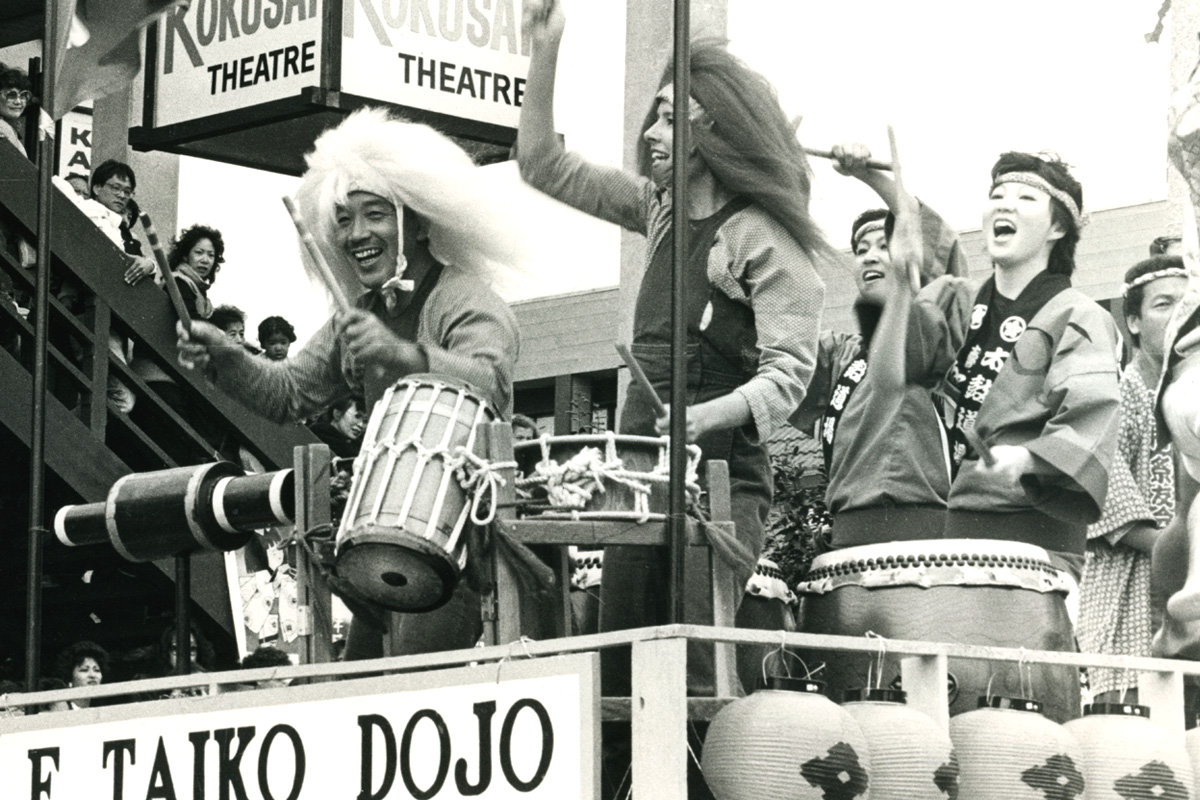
x: 81, y: 364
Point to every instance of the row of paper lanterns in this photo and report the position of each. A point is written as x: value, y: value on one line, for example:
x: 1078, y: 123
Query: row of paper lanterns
x: 790, y: 742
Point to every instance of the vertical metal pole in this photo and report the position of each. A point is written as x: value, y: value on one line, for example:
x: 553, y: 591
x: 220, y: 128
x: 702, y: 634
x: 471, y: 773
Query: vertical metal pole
x: 183, y: 620
x: 37, y: 438
x: 680, y: 152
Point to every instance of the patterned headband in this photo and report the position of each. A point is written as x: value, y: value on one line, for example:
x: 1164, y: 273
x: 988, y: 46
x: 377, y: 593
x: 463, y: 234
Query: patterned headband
x: 1142, y: 280
x: 1038, y: 182
x: 870, y: 226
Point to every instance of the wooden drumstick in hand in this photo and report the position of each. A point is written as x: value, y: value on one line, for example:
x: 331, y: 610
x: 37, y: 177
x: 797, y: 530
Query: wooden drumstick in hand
x: 635, y: 369
x: 905, y: 244
x: 979, y: 446
x: 314, y: 252
x: 160, y: 256
x: 828, y: 154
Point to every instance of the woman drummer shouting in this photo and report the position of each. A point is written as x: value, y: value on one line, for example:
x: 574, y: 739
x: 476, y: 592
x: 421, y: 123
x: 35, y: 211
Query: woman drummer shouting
x: 1036, y: 377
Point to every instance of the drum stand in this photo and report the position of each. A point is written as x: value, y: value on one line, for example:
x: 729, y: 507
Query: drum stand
x: 508, y: 614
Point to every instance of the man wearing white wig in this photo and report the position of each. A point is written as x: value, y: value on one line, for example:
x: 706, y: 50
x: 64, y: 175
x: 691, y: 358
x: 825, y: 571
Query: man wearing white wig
x: 402, y: 219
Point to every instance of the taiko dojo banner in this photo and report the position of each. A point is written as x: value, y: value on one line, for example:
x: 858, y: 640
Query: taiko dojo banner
x: 527, y: 728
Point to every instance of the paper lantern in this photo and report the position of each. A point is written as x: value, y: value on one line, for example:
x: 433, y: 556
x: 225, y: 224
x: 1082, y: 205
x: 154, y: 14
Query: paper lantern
x: 1128, y: 757
x: 1008, y: 751
x: 786, y: 742
x: 1191, y: 742
x: 911, y: 757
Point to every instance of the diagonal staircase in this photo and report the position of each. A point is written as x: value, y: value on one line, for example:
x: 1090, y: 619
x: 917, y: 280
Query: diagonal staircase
x: 90, y: 592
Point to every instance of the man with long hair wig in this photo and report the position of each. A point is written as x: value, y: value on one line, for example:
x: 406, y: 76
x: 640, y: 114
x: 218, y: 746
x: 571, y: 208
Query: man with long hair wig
x: 753, y: 303
x: 405, y: 224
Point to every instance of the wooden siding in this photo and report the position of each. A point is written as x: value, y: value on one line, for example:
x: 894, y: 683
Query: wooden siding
x: 575, y: 333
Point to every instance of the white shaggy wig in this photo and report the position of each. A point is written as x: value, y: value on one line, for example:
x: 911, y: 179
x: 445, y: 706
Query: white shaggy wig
x: 412, y: 166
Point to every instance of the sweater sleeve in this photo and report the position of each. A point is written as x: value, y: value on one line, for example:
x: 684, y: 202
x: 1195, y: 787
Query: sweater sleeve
x: 609, y: 193
x: 289, y: 390
x: 782, y: 287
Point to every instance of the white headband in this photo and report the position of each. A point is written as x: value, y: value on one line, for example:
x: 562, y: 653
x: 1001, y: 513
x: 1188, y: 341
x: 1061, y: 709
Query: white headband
x: 870, y: 226
x: 1038, y: 182
x: 1142, y: 280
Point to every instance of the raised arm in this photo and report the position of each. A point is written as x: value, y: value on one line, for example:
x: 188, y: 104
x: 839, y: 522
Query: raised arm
x: 544, y: 21
x: 605, y: 192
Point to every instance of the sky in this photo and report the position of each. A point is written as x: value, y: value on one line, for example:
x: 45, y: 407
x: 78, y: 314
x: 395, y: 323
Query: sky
x: 961, y: 83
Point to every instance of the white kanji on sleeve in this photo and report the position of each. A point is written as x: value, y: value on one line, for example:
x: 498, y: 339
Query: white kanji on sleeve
x: 994, y: 359
x: 856, y: 370
x: 828, y: 432
x: 978, y: 388
x: 960, y: 450
x: 839, y: 397
x: 972, y: 356
x: 966, y: 419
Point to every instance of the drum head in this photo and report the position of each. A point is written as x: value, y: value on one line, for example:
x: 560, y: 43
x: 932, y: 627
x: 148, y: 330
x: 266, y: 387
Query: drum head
x: 397, y: 571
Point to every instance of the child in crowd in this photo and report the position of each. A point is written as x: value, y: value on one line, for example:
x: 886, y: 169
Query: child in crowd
x: 275, y: 336
x: 232, y: 321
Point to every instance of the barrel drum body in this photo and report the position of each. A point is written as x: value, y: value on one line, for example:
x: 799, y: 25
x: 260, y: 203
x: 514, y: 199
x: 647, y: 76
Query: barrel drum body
x: 966, y: 591
x: 401, y: 541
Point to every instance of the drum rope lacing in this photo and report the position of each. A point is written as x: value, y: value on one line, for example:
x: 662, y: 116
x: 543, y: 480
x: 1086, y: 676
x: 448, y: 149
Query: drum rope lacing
x: 573, y: 483
x: 481, y: 479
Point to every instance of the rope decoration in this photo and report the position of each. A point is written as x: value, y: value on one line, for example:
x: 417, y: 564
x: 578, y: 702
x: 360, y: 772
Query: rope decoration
x: 573, y: 483
x: 480, y: 479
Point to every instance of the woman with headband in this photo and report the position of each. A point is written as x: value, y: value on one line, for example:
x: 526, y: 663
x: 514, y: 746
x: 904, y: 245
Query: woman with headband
x: 886, y: 459
x: 1036, y: 379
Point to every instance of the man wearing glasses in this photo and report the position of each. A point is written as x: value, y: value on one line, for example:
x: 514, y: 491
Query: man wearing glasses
x: 113, y: 185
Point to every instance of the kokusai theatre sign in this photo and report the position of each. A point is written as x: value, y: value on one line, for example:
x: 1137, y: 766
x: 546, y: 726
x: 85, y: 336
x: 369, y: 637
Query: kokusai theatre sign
x: 524, y: 729
x: 256, y: 80
x: 222, y: 55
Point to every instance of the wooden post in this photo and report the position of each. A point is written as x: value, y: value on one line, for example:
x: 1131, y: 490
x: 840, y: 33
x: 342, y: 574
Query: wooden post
x: 312, y: 465
x: 924, y: 679
x: 502, y: 607
x: 100, y: 324
x: 721, y: 580
x: 659, y: 719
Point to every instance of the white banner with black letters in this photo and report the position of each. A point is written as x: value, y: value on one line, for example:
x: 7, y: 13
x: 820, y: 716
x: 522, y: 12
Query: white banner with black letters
x: 526, y: 728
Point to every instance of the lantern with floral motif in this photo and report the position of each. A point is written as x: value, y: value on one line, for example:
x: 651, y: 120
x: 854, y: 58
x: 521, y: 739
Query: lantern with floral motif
x: 911, y: 757
x: 1128, y: 757
x: 787, y: 741
x: 1008, y: 751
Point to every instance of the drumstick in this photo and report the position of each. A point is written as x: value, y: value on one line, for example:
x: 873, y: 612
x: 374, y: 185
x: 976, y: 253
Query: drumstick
x: 873, y: 164
x: 979, y: 446
x: 161, y: 257
x: 314, y: 253
x: 635, y: 369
